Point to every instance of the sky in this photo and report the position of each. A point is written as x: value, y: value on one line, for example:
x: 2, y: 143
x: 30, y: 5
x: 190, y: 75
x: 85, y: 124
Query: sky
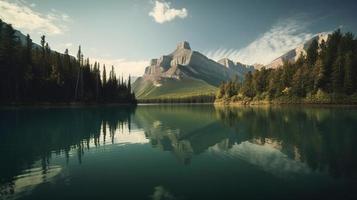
x: 128, y: 33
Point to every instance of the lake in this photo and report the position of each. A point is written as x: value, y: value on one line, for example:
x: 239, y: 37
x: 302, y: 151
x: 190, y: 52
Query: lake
x: 178, y: 152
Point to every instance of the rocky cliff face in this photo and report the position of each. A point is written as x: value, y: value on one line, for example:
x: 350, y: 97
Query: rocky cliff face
x: 293, y: 55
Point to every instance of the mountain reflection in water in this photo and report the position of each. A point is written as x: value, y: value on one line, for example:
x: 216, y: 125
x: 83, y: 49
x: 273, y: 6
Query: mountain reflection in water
x: 286, y: 142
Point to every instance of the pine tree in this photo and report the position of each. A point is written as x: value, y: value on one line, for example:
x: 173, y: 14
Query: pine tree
x: 312, y: 53
x: 79, y: 74
x: 348, y: 74
x: 104, y: 79
x: 129, y: 84
x: 8, y: 61
x: 247, y: 88
x: 43, y: 42
x: 299, y: 84
x: 319, y: 75
x: 330, y: 58
x: 322, y: 79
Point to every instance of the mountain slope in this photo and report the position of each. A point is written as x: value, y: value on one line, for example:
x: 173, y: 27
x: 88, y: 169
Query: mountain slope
x: 172, y: 88
x: 185, y: 73
x: 293, y: 55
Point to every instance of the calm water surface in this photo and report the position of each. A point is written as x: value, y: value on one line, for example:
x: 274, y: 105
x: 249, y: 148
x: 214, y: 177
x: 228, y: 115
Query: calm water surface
x: 178, y: 152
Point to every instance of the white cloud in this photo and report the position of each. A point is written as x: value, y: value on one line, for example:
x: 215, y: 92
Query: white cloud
x: 23, y: 16
x: 68, y: 45
x: 163, y: 13
x: 282, y: 37
x: 123, y: 67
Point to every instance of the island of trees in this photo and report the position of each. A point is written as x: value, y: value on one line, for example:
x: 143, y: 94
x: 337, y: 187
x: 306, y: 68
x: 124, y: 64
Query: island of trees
x: 32, y: 73
x: 326, y: 74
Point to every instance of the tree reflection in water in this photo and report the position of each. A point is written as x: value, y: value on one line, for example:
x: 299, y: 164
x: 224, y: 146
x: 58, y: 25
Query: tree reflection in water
x: 30, y: 134
x: 277, y: 139
x: 322, y: 138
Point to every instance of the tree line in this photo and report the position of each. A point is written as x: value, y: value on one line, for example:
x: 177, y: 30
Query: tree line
x: 35, y: 73
x: 325, y: 74
x: 189, y: 99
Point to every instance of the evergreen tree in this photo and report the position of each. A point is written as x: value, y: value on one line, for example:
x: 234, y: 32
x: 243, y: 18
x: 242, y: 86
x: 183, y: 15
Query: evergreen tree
x: 319, y: 74
x: 330, y: 60
x: 104, y: 79
x: 8, y: 60
x: 299, y: 84
x: 247, y: 88
x: 28, y: 58
x: 129, y: 84
x: 312, y: 52
x: 43, y: 42
x: 348, y: 72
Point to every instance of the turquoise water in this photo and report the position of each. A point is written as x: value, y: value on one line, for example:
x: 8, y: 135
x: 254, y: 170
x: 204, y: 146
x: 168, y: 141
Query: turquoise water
x: 178, y: 152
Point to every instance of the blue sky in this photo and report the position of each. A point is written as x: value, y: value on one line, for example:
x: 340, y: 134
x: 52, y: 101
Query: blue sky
x: 128, y: 33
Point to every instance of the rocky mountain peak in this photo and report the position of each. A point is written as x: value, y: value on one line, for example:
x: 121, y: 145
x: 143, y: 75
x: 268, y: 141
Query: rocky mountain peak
x: 183, y: 45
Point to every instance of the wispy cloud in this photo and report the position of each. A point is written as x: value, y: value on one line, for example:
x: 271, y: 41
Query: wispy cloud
x: 162, y: 12
x: 282, y: 37
x: 23, y: 16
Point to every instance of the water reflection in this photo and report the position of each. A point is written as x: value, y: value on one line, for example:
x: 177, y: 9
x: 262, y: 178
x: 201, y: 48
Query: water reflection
x: 161, y: 193
x: 30, y: 137
x: 183, y: 130
x: 286, y: 142
x: 323, y: 138
x: 25, y: 182
x: 267, y: 156
x: 290, y: 138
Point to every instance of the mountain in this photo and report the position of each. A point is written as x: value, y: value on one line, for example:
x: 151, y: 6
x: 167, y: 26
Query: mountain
x: 185, y: 73
x: 293, y: 55
x: 237, y: 67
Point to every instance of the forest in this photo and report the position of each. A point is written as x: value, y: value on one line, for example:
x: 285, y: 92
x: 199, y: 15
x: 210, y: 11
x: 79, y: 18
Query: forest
x: 34, y: 73
x: 326, y: 74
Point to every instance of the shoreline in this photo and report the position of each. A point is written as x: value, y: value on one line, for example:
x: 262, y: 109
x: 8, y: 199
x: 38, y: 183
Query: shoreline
x: 63, y: 105
x: 218, y: 104
x: 283, y: 103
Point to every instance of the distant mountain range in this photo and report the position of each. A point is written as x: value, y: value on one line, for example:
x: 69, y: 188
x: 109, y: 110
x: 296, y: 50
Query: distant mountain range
x: 185, y: 73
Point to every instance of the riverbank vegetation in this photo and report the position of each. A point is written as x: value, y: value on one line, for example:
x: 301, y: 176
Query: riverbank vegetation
x: 325, y: 75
